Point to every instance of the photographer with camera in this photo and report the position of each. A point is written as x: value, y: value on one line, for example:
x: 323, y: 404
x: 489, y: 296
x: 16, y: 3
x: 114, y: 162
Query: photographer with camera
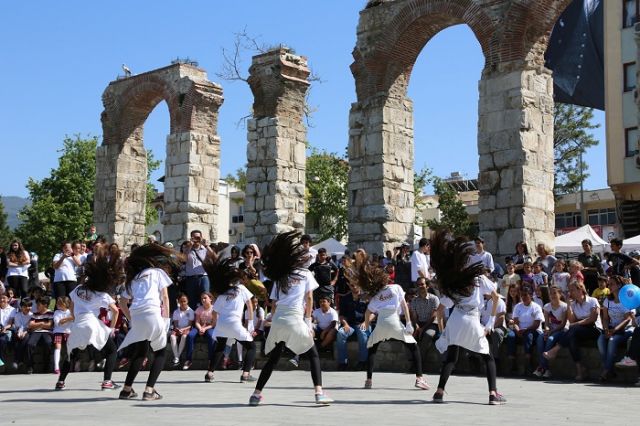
x: 197, y: 281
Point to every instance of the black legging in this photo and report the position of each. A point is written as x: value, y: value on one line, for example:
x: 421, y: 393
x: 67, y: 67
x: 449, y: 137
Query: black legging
x: 452, y: 358
x: 19, y: 284
x: 218, y: 353
x: 415, y: 354
x: 274, y: 357
x: 140, y: 350
x: 109, y: 351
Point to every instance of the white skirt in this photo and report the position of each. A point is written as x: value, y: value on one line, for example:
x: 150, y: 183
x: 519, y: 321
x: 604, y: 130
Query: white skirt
x: 86, y: 330
x: 388, y: 326
x: 232, y: 328
x: 288, y: 326
x: 464, y: 329
x: 147, y: 325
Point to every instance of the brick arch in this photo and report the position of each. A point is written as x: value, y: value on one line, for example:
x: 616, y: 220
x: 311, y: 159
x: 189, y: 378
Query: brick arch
x: 389, y: 59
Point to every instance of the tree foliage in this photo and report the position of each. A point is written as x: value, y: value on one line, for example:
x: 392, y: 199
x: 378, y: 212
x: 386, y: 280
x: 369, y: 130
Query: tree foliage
x: 5, y: 232
x: 571, y: 138
x: 421, y: 178
x: 151, y: 214
x: 61, y: 204
x: 453, y: 214
x: 239, y: 180
x: 326, y: 191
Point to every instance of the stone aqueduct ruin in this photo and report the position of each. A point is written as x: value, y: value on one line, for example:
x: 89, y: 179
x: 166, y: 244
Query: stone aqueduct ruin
x: 515, y: 132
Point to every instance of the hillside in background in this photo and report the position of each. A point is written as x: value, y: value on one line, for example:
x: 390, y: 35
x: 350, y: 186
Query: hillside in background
x: 12, y: 206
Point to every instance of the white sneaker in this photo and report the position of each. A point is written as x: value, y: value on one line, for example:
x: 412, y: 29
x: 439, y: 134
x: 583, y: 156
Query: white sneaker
x: 539, y: 372
x: 547, y: 374
x: 294, y: 362
x: 626, y: 362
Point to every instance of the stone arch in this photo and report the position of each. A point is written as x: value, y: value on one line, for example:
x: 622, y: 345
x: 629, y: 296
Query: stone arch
x: 515, y: 125
x: 192, y: 160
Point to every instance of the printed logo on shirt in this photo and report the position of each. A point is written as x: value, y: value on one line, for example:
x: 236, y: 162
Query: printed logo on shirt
x: 84, y: 294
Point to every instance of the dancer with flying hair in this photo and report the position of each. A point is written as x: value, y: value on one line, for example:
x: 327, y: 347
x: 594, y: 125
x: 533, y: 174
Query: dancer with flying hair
x: 231, y: 298
x: 463, y: 285
x: 149, y: 269
x: 292, y: 294
x: 385, y: 302
x: 86, y: 329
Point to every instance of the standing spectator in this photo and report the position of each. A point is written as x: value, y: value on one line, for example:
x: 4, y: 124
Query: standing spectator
x: 403, y: 267
x: 592, y: 266
x: 546, y: 259
x: 62, y: 319
x: 617, y: 323
x: 326, y: 320
x: 197, y: 281
x: 39, y: 329
x: 560, y: 277
x: 521, y: 257
x: 541, y: 281
x: 419, y: 261
x: 306, y: 242
x: 555, y: 324
x: 352, y: 309
x: 326, y: 274
x: 18, y: 261
x: 527, y: 321
x: 65, y: 264
x: 509, y: 278
x: 483, y: 256
x: 7, y: 314
x: 623, y: 265
x: 92, y: 234
x: 342, y: 284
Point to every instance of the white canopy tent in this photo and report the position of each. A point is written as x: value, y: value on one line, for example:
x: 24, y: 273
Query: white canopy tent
x: 572, y: 242
x: 631, y: 243
x: 333, y: 246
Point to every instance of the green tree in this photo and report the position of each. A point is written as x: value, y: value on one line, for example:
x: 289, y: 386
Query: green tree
x: 453, y: 214
x: 239, y: 180
x: 5, y: 232
x: 61, y: 204
x: 151, y: 214
x: 326, y: 192
x: 571, y: 138
x: 421, y: 178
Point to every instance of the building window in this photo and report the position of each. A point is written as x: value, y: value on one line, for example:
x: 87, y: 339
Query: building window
x: 602, y: 216
x: 631, y: 141
x: 630, y: 13
x: 237, y: 219
x: 568, y: 220
x: 630, y: 76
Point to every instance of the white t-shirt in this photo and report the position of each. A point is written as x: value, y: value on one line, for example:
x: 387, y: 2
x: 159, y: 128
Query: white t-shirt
x: 67, y: 269
x: 146, y: 289
x: 21, y: 321
x: 390, y: 296
x: 230, y: 305
x: 87, y: 301
x: 486, y: 258
x: 61, y: 328
x: 617, y: 313
x: 556, y: 315
x: 311, y: 257
x: 258, y: 315
x: 6, y: 315
x: 476, y: 300
x: 485, y: 313
x: 22, y: 270
x: 300, y: 286
x: 584, y: 310
x: 561, y: 279
x: 527, y: 315
x: 184, y: 318
x: 324, y: 319
x: 419, y: 263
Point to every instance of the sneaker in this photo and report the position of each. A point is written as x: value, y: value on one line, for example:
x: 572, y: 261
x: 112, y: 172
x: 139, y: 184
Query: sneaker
x: 1, y: 363
x: 109, y: 385
x: 59, y: 385
x: 421, y: 383
x: 176, y: 362
x: 323, y: 399
x: 186, y: 365
x: 547, y: 374
x: 539, y: 372
x: 294, y: 362
x: 30, y: 370
x: 247, y: 379
x: 626, y: 362
x: 151, y: 396
x: 56, y: 371
x: 14, y: 366
x: 438, y: 398
x: 123, y: 363
x: 497, y: 399
x: 368, y: 384
x: 208, y: 378
x: 255, y: 399
x: 130, y: 394
x: 92, y: 366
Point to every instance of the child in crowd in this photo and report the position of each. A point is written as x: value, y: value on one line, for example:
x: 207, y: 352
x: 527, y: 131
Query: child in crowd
x: 575, y: 271
x: 560, y: 277
x: 39, y: 328
x: 12, y: 300
x: 555, y: 323
x: 509, y: 278
x: 183, y: 318
x: 62, y: 319
x: 258, y: 318
x: 527, y: 274
x: 204, y: 325
x: 602, y: 292
x: 541, y: 282
x: 7, y: 313
x: 20, y: 329
x: 326, y: 319
x: 538, y: 296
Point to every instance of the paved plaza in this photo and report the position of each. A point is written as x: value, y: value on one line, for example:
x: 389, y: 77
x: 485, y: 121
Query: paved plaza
x: 31, y: 400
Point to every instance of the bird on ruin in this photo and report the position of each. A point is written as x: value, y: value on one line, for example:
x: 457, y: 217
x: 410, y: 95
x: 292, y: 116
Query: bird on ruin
x: 127, y: 71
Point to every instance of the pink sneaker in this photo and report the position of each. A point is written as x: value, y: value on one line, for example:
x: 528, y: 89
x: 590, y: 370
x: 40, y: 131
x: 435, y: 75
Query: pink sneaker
x: 421, y: 383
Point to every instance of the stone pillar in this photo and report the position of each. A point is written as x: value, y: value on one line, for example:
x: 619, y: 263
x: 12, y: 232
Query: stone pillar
x: 515, y: 143
x: 381, y: 194
x: 276, y: 157
x: 119, y: 204
x: 192, y: 172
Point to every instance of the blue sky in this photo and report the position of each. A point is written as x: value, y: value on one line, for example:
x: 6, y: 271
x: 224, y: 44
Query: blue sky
x: 58, y: 57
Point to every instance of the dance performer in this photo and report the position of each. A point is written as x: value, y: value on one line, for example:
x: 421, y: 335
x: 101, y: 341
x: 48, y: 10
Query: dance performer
x: 87, y: 300
x: 463, y: 285
x: 231, y: 299
x: 387, y: 300
x: 148, y: 269
x: 292, y: 294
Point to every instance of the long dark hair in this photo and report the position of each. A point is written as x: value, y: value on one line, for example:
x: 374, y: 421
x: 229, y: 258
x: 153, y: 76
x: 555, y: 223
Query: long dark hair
x: 101, y: 275
x: 222, y: 272
x: 18, y: 255
x: 450, y: 258
x: 152, y: 256
x: 371, y: 278
x: 282, y: 258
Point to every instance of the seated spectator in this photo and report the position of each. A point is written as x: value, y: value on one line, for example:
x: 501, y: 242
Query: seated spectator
x: 509, y: 278
x: 497, y: 335
x: 39, y: 329
x: 575, y: 271
x: 423, y: 310
x: 352, y: 309
x: 527, y: 326
x: 7, y: 313
x: 182, y: 319
x: 527, y: 274
x: 584, y: 325
x: 617, y: 324
x: 258, y: 319
x: 555, y: 324
x: 21, y: 322
x: 513, y: 298
x: 602, y: 292
x: 13, y: 301
x: 204, y: 325
x: 541, y: 281
x: 326, y: 319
